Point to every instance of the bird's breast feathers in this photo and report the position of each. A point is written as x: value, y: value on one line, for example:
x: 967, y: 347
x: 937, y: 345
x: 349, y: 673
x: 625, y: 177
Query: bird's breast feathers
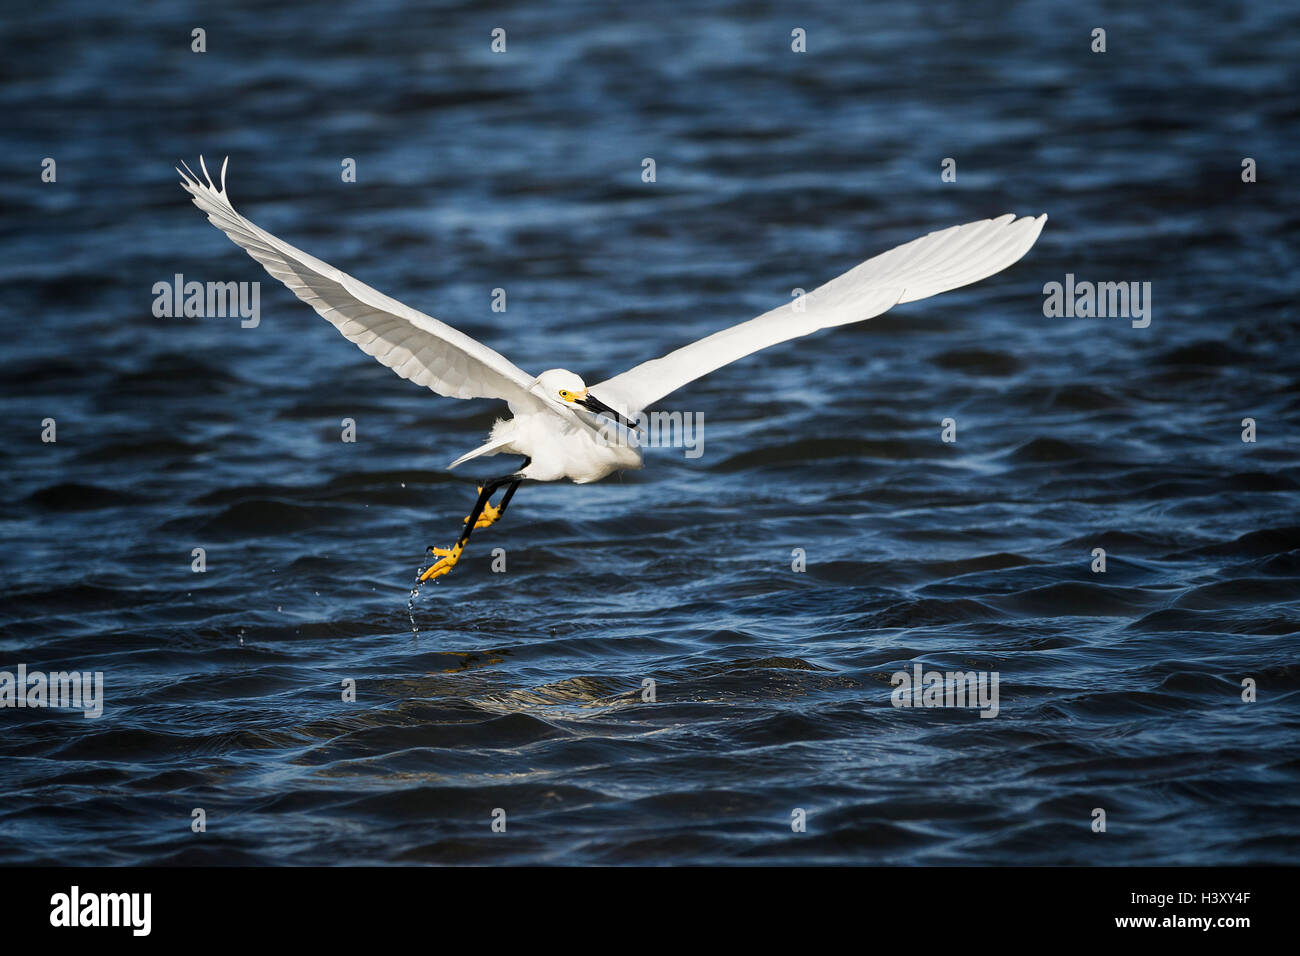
x: 560, y: 449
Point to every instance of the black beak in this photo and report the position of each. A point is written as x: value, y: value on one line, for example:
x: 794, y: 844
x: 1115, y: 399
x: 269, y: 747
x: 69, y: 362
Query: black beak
x: 596, y: 405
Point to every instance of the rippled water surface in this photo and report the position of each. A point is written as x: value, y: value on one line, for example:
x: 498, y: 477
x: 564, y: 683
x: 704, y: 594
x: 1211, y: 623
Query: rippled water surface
x: 523, y: 691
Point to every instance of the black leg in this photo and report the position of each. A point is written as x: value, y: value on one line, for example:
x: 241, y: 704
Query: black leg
x: 489, y: 489
x: 510, y: 493
x: 449, y: 557
x: 515, y: 482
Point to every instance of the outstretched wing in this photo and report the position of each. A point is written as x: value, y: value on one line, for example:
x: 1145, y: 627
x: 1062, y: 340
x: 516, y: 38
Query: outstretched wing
x: 936, y: 263
x: 414, y: 345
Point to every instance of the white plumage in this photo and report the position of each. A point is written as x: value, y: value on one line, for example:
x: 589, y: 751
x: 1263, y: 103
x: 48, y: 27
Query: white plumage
x: 555, y: 421
x: 938, y: 262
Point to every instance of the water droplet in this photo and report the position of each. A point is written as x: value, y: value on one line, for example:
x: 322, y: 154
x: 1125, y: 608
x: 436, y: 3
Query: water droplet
x: 410, y: 603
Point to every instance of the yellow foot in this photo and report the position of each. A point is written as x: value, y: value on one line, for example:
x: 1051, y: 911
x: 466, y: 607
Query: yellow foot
x: 448, y: 558
x: 487, y: 517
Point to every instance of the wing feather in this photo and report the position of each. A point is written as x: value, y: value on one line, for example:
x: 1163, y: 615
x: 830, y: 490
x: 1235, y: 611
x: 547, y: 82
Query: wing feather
x: 416, y: 346
x: 934, y: 263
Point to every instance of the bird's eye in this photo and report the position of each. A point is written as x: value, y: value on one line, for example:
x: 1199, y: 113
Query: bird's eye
x: 563, y: 394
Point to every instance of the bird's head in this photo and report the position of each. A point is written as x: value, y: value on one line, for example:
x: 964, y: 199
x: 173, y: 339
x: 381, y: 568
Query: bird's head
x: 567, y: 388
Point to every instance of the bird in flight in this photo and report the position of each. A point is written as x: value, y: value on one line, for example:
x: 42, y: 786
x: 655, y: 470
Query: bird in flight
x: 561, y: 426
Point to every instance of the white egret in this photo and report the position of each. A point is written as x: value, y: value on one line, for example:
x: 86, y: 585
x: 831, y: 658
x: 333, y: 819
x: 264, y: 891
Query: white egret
x: 556, y: 423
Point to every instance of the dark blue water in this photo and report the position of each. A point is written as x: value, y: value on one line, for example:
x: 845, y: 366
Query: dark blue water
x: 523, y: 691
